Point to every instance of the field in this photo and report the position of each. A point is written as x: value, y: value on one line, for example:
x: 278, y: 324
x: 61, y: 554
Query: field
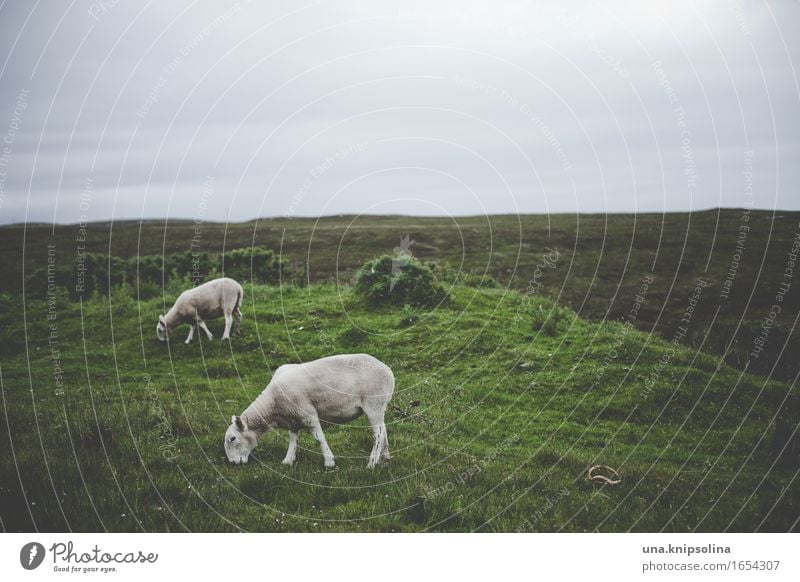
x: 601, y: 260
x: 505, y: 395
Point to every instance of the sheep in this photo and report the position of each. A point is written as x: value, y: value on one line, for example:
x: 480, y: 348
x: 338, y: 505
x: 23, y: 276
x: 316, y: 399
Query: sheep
x: 331, y: 390
x: 209, y: 300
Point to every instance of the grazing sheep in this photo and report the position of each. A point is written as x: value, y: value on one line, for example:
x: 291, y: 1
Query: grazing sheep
x: 333, y: 390
x: 209, y: 300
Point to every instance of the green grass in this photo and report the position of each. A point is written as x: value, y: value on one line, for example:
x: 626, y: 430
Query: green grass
x: 602, y: 259
x: 503, y: 401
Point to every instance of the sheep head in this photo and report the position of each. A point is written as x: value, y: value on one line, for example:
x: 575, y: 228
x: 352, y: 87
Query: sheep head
x: 239, y: 441
x: 162, y: 329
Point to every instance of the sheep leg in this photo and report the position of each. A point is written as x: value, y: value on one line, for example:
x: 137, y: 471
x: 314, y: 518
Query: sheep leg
x: 380, y: 450
x: 190, y: 336
x: 377, y: 447
x: 316, y: 432
x: 226, y: 335
x: 204, y: 327
x: 292, y: 452
x: 385, y: 455
x: 237, y: 319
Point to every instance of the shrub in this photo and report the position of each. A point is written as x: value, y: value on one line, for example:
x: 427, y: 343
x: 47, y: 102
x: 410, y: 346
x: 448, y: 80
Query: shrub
x: 99, y: 273
x: 176, y: 286
x: 256, y: 264
x: 160, y: 269
x: 95, y: 273
x: 122, y: 297
x: 150, y: 268
x: 147, y: 290
x: 388, y: 280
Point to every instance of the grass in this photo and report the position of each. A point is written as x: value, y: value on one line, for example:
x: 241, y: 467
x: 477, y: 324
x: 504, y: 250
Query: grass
x: 598, y: 270
x: 503, y: 402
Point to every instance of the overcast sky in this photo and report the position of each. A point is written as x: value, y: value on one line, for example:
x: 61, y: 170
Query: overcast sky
x: 230, y: 111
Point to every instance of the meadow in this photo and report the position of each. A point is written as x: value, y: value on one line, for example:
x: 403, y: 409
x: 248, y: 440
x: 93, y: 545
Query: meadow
x: 504, y: 399
x: 599, y: 264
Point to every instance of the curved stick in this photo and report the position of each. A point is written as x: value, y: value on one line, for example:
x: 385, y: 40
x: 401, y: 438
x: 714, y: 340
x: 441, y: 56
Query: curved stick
x: 616, y: 479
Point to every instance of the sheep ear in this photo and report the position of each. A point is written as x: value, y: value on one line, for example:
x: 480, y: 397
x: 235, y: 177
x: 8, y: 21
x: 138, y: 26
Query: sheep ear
x: 161, y: 319
x: 237, y: 420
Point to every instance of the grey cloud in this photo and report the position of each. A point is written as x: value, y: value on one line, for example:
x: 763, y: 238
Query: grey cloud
x: 547, y: 107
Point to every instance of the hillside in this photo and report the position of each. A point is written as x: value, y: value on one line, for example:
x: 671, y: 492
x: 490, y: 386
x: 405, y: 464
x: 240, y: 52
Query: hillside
x: 597, y: 269
x: 503, y: 401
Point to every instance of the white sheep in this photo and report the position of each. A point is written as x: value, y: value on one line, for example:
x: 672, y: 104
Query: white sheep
x: 331, y: 390
x: 220, y: 297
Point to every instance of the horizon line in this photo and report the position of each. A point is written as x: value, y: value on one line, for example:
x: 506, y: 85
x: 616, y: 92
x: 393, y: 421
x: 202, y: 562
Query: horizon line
x: 389, y: 215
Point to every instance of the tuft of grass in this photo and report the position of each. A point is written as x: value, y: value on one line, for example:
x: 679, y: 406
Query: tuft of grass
x: 353, y: 337
x: 549, y: 318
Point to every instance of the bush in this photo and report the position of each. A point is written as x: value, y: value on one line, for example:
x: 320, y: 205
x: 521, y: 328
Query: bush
x: 150, y: 269
x: 95, y: 273
x: 99, y: 273
x: 258, y: 265
x: 390, y: 280
x: 160, y: 269
x: 122, y: 297
x: 176, y: 286
x: 147, y: 290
